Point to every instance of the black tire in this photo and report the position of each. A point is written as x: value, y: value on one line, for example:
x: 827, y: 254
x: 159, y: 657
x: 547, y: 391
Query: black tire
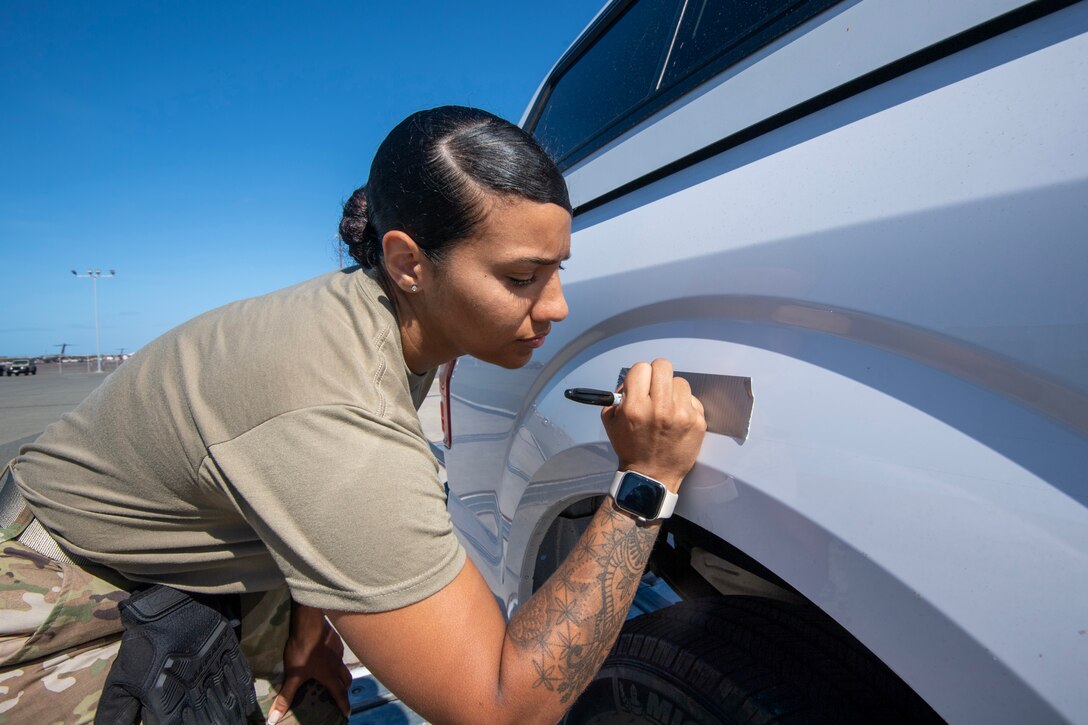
x: 743, y: 660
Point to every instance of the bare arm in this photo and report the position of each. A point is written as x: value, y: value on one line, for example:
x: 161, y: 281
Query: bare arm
x: 568, y: 627
x: 453, y: 659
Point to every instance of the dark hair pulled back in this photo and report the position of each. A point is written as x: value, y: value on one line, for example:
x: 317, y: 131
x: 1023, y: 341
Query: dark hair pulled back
x: 429, y: 177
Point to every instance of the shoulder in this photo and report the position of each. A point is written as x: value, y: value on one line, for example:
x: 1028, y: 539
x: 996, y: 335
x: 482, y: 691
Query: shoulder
x: 330, y: 340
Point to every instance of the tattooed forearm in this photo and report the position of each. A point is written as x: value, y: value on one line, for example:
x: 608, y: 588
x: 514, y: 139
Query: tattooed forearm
x: 571, y: 623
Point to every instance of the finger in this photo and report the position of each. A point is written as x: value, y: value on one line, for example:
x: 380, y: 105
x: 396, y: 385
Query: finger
x: 343, y: 674
x: 661, y: 388
x: 283, y: 700
x: 636, y: 385
x: 338, y: 688
x: 681, y: 391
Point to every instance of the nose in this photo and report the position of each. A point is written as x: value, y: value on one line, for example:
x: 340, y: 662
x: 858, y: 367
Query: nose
x: 551, y: 305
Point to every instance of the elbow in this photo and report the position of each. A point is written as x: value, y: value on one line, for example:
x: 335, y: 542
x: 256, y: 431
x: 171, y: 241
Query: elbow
x: 519, y: 709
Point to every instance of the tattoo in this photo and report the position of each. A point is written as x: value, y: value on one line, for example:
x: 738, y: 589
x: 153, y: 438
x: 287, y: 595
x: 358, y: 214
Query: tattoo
x: 570, y: 625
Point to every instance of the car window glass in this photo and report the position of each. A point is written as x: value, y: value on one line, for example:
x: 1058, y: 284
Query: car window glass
x: 711, y: 29
x: 612, y: 77
x: 656, y: 51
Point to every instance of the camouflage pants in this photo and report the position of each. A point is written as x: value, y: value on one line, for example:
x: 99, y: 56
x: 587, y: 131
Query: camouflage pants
x: 60, y: 631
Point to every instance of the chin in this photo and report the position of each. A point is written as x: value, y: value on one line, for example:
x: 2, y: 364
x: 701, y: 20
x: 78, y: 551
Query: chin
x: 514, y: 364
x: 510, y: 361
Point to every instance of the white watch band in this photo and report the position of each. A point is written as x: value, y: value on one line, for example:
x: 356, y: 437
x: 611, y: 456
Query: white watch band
x: 668, y: 503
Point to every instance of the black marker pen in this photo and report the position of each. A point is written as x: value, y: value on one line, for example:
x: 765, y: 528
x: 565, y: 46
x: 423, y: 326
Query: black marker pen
x: 592, y: 396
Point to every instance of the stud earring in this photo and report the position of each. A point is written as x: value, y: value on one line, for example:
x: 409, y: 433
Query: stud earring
x: 415, y: 288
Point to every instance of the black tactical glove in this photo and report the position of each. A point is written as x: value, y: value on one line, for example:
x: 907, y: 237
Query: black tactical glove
x: 179, y: 664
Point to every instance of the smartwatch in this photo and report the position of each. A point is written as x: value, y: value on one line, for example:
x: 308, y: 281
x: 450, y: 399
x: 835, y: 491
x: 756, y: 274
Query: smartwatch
x: 645, y: 498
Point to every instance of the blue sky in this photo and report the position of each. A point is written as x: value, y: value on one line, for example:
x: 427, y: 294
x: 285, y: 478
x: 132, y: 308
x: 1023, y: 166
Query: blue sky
x: 203, y: 149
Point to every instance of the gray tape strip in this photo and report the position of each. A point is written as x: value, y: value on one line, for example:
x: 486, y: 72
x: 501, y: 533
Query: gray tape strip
x: 11, y: 499
x: 34, y: 535
x: 727, y: 400
x: 37, y: 538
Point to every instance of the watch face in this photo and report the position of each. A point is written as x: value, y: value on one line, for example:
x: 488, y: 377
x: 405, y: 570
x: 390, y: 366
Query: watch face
x: 640, y: 495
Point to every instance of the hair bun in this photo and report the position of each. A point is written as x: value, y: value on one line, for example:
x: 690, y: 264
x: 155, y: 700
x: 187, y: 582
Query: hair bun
x: 355, y: 229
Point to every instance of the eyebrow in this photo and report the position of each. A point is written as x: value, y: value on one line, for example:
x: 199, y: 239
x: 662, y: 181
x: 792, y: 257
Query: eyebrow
x: 539, y: 261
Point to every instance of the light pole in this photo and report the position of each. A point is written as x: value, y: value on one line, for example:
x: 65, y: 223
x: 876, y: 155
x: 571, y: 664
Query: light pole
x: 95, y: 275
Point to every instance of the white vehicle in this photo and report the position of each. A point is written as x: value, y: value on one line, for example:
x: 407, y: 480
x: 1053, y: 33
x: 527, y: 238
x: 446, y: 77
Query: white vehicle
x: 876, y: 211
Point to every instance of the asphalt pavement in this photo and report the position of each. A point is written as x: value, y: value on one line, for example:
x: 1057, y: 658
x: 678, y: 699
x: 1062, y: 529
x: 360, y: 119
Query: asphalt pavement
x: 29, y: 403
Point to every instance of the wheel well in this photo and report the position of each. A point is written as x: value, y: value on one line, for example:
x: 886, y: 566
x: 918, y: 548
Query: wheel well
x: 698, y: 565
x: 693, y: 561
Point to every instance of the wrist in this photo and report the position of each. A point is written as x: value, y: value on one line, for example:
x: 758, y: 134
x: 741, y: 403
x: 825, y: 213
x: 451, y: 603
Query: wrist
x: 306, y: 619
x: 671, y: 480
x: 612, y: 505
x: 642, y: 497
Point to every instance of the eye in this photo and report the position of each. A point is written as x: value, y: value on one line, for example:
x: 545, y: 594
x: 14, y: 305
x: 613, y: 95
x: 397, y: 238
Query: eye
x: 526, y: 281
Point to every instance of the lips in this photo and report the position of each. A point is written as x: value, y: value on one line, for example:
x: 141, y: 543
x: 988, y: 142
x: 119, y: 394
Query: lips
x: 535, y: 342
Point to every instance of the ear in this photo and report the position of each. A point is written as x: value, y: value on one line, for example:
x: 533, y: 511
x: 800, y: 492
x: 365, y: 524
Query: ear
x: 403, y: 260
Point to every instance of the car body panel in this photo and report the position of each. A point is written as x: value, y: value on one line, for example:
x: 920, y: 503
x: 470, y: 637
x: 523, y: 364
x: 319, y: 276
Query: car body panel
x: 901, y: 275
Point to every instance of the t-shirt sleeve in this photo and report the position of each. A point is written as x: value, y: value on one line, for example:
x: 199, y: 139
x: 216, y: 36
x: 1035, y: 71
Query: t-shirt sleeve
x: 348, y: 504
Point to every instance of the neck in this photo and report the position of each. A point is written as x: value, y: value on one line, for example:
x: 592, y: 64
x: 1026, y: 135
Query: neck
x: 421, y: 353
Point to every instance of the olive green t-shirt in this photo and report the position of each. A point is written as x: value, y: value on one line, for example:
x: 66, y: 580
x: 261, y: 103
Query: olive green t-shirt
x: 272, y: 439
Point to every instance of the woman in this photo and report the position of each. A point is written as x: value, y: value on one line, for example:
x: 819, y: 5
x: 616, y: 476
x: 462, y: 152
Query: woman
x: 275, y: 442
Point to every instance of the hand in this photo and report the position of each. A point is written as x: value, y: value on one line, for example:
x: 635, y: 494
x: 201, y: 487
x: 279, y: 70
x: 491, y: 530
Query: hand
x: 659, y: 427
x: 313, y: 651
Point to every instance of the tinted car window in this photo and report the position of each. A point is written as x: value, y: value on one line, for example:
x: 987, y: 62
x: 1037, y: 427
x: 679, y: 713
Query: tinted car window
x: 618, y: 72
x: 644, y: 60
x: 729, y: 29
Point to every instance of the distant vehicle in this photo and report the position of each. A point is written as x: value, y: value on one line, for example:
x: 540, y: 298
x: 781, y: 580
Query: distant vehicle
x: 21, y: 367
x: 875, y: 211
